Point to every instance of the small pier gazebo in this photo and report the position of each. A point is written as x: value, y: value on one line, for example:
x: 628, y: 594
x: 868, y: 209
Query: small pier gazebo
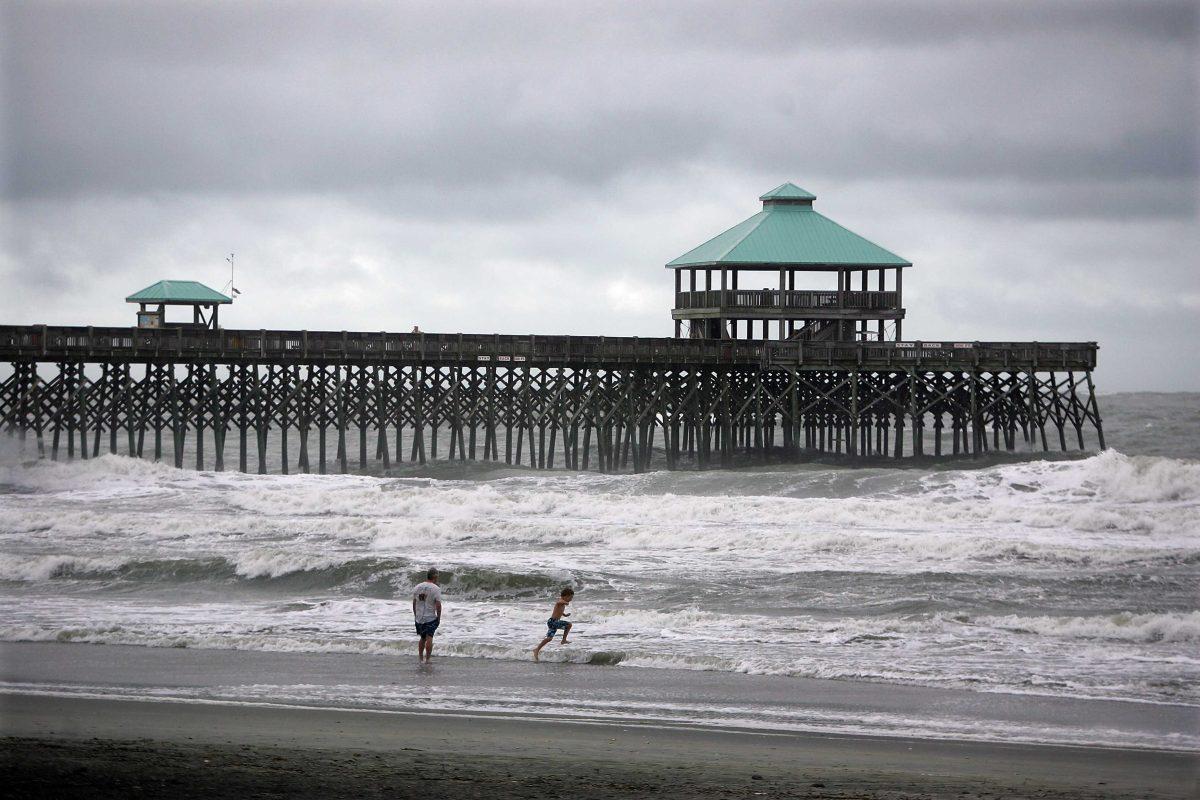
x: 748, y: 275
x: 153, y: 300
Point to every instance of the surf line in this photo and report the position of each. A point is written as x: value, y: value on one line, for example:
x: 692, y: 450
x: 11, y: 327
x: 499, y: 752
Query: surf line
x: 600, y: 723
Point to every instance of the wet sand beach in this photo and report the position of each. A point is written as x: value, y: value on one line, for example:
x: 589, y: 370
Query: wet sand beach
x: 84, y: 747
x: 103, y: 721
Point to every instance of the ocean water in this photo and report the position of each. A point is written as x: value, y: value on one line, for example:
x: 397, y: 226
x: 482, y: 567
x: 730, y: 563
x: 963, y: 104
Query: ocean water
x: 1072, y: 578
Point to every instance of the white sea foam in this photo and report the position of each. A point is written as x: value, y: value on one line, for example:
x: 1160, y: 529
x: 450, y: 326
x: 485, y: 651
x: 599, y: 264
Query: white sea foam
x: 1106, y: 493
x: 107, y: 472
x: 1107, y: 477
x: 1143, y: 479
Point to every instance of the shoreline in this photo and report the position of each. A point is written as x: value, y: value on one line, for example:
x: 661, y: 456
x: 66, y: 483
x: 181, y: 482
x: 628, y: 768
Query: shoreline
x: 168, y: 748
x: 746, y: 729
x: 532, y: 718
x: 568, y: 691
x: 443, y: 655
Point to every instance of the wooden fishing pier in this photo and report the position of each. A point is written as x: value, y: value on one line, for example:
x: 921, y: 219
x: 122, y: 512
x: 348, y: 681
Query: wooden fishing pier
x: 759, y: 375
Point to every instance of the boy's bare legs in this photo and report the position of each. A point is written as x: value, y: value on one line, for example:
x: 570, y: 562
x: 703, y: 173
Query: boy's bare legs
x: 566, y: 630
x: 537, y: 650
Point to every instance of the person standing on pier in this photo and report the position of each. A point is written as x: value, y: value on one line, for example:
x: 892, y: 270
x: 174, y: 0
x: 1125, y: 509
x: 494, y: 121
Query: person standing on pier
x: 427, y: 612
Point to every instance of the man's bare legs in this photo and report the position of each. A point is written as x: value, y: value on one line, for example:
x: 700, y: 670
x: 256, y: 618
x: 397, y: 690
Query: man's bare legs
x: 425, y: 648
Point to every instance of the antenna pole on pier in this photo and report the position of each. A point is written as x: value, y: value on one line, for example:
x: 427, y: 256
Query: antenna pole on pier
x: 229, y: 287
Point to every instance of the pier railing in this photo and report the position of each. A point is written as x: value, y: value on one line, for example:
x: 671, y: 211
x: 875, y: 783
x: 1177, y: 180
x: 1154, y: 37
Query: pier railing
x: 777, y: 299
x: 139, y: 345
x: 754, y: 299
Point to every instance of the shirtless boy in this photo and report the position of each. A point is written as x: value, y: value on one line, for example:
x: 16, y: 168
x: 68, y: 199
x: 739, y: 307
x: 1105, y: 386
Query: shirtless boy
x: 556, y: 623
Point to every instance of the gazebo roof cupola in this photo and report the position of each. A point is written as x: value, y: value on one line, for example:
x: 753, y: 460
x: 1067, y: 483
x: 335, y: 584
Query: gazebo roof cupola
x: 789, y: 234
x: 788, y: 194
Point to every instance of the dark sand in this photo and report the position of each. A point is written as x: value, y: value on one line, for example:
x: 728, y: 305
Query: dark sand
x: 72, y: 727
x: 79, y: 747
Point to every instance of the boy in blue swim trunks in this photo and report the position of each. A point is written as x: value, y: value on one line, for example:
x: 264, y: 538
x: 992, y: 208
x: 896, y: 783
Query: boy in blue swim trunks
x: 556, y: 622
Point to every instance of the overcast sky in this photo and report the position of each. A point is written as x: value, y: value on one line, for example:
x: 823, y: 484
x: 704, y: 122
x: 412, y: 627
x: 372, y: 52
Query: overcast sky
x: 529, y: 168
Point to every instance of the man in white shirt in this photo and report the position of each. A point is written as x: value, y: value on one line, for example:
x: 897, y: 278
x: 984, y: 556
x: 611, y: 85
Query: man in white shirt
x: 427, y: 611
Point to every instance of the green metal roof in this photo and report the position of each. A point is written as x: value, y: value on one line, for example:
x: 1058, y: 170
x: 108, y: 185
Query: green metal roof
x: 178, y: 293
x: 788, y: 232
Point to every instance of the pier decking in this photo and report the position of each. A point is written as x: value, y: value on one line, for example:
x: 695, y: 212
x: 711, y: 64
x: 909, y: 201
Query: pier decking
x: 144, y: 346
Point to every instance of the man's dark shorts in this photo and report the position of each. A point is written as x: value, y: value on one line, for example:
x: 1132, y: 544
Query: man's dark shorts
x: 427, y: 628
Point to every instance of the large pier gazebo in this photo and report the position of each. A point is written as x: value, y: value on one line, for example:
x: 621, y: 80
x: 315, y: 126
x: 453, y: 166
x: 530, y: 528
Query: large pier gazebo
x: 755, y: 280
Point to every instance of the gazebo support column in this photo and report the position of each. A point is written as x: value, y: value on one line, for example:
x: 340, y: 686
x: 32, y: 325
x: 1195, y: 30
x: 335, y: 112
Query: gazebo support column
x: 678, y: 289
x: 881, y: 289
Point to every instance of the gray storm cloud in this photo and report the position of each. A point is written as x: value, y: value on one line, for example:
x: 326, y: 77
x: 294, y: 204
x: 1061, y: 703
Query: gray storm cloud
x: 530, y: 167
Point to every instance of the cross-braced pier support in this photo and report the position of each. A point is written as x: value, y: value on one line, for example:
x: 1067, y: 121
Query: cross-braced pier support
x: 320, y: 418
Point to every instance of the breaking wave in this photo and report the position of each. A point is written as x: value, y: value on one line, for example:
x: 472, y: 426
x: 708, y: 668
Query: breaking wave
x: 390, y: 577
x: 1124, y: 626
